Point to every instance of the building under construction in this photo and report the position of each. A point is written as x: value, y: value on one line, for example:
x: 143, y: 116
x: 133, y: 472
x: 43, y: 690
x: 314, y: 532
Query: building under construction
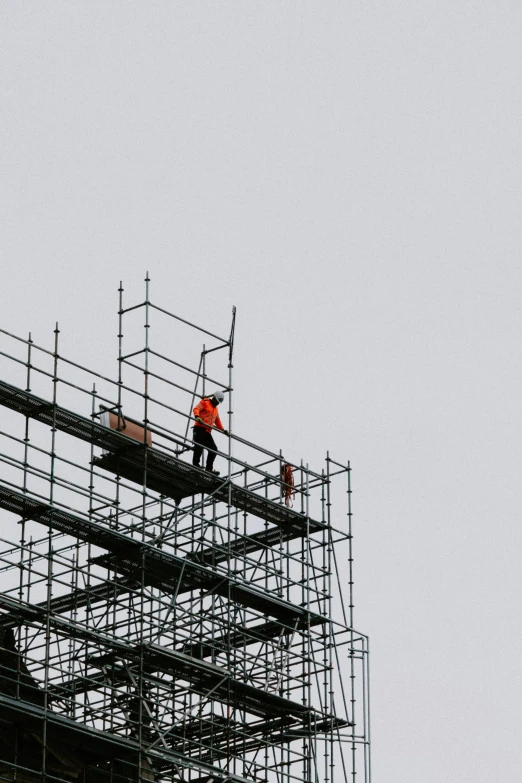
x: 159, y: 622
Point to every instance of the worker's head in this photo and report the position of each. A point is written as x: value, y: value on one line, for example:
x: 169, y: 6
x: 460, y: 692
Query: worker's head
x: 217, y: 397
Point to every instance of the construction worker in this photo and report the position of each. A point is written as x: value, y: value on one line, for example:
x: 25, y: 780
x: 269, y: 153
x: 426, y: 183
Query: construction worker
x: 207, y: 416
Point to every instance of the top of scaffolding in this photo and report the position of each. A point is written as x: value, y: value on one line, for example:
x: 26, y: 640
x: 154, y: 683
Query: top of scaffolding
x: 76, y: 399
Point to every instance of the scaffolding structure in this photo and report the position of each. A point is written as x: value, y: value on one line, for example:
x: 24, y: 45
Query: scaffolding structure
x: 159, y: 622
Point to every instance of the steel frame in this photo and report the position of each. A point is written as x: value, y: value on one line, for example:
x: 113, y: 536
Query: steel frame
x: 158, y: 622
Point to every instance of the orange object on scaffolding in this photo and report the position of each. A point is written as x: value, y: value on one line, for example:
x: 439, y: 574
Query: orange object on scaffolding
x: 129, y: 427
x: 288, y: 486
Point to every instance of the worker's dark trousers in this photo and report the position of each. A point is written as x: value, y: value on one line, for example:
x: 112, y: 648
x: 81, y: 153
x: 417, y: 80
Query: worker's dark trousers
x: 204, y: 440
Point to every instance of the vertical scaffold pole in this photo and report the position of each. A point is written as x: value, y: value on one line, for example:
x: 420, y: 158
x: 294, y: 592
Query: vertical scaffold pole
x: 49, y: 582
x: 350, y: 614
x: 120, y: 401
x: 23, y: 568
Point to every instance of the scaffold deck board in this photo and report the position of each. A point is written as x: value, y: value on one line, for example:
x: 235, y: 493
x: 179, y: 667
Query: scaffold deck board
x: 243, y: 545
x: 161, y: 569
x: 206, y: 677
x: 223, y: 735
x: 162, y: 472
x: 170, y: 575
x: 159, y: 472
x: 177, y: 479
x: 239, y: 636
x: 220, y: 733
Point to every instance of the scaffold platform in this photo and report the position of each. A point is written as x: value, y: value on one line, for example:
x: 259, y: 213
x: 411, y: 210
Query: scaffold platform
x: 162, y: 569
x: 204, y: 677
x: 156, y: 470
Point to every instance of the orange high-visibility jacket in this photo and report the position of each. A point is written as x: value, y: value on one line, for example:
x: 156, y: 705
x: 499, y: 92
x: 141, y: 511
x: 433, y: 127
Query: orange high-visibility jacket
x: 206, y: 411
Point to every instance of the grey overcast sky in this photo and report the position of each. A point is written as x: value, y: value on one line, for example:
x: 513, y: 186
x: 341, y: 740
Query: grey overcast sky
x: 349, y: 175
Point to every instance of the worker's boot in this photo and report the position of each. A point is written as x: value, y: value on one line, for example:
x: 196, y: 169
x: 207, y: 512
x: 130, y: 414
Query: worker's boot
x: 211, y: 470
